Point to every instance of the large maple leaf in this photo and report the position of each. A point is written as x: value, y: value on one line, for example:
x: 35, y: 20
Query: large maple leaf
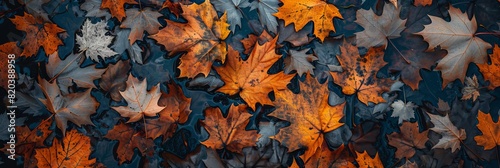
x: 75, y: 107
x: 378, y: 29
x: 229, y: 132
x: 202, y: 37
x: 408, y: 140
x: 140, y: 21
x: 490, y: 72
x: 249, y: 78
x: 116, y: 7
x: 129, y: 139
x: 359, y: 75
x: 490, y: 130
x: 140, y: 102
x: 452, y: 137
x: 73, y: 151
x: 310, y: 116
x: 94, y: 41
x: 38, y: 34
x: 458, y: 38
x: 301, y: 12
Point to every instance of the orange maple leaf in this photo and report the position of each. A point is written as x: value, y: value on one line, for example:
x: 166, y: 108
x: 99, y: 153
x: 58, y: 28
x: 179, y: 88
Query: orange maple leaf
x: 490, y: 130
x: 73, y: 151
x: 116, y: 7
x: 229, y: 132
x: 202, y: 37
x: 490, y: 72
x: 5, y: 50
x: 38, y: 34
x: 249, y: 78
x: 359, y: 75
x: 366, y: 161
x: 301, y: 12
x: 310, y: 116
x: 409, y: 139
x: 327, y: 158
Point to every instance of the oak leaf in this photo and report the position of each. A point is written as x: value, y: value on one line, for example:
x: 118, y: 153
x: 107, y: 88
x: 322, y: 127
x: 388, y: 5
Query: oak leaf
x: 402, y: 110
x: 202, y: 37
x: 140, y: 21
x: 249, y: 78
x: 366, y: 161
x: 5, y: 50
x: 38, y: 34
x: 408, y: 140
x: 94, y: 41
x: 378, y: 29
x: 75, y: 107
x: 471, y: 89
x: 116, y: 7
x: 452, y: 137
x: 458, y: 38
x: 490, y: 72
x: 229, y: 132
x: 359, y: 75
x: 300, y: 62
x: 140, y: 102
x: 310, y: 116
x: 301, y: 12
x: 129, y: 139
x: 491, y: 131
x: 73, y: 151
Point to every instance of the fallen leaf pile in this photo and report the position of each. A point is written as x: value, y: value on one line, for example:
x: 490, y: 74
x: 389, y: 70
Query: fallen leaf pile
x: 250, y: 83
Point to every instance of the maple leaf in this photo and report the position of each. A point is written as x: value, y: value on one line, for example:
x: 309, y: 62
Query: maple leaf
x: 75, y: 107
x: 116, y: 7
x: 73, y: 151
x: 177, y: 113
x: 266, y: 10
x: 202, y: 37
x: 233, y: 10
x: 229, y: 132
x: 452, y: 137
x: 35, y: 7
x: 250, y: 42
x: 140, y: 21
x: 140, y: 102
x: 359, y: 75
x: 408, y: 140
x: 249, y: 78
x: 458, y: 38
x: 129, y: 139
x: 68, y: 71
x: 93, y: 8
x: 38, y: 34
x: 174, y: 6
x: 490, y: 130
x: 328, y: 158
x: 300, y: 62
x: 378, y: 29
x: 94, y: 41
x: 288, y: 34
x: 301, y: 12
x: 7, y: 49
x: 212, y: 81
x: 403, y: 110
x: 471, y: 89
x: 366, y: 161
x: 122, y: 43
x: 490, y: 72
x: 28, y: 140
x: 310, y: 116
x: 113, y: 80
x: 422, y: 2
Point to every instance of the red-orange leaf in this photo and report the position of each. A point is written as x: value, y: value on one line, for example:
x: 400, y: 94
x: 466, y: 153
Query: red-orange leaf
x: 5, y: 50
x: 491, y: 131
x: 116, y: 7
x: 490, y: 72
x: 366, y: 161
x: 129, y: 139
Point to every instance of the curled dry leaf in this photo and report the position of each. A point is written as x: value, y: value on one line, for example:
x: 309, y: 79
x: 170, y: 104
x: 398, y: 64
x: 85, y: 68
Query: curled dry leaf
x: 229, y: 132
x: 73, y: 151
x: 38, y: 34
x: 310, y: 116
x: 302, y: 12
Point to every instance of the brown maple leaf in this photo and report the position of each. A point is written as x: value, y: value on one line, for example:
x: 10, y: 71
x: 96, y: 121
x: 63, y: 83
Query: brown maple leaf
x: 229, y: 132
x: 73, y: 151
x: 327, y: 158
x: 491, y: 131
x: 302, y: 12
x: 471, y: 89
x: 38, y: 34
x: 140, y: 21
x: 310, y: 116
x: 250, y: 42
x: 202, y: 37
x: 408, y: 140
x: 360, y: 73
x: 366, y: 161
x: 490, y: 72
x: 116, y: 7
x: 7, y: 49
x: 113, y: 80
x: 129, y: 139
x: 250, y: 78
